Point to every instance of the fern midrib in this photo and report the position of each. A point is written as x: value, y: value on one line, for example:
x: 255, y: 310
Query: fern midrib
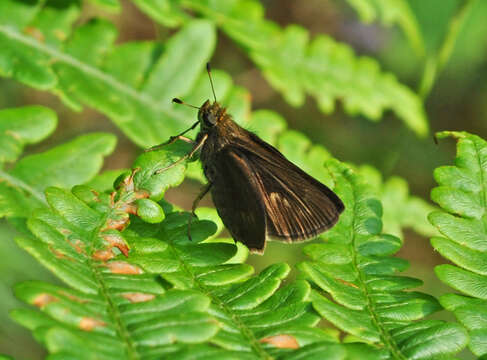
x: 19, y: 183
x: 112, y: 307
x: 384, y: 334
x: 244, y: 330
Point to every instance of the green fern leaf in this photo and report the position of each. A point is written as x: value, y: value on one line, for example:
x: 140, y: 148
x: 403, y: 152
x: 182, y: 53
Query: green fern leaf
x: 22, y: 126
x: 104, y: 182
x: 390, y: 12
x: 401, y: 210
x: 462, y: 193
x: 77, y: 161
x: 295, y: 66
x: 368, y: 300
x: 113, y: 308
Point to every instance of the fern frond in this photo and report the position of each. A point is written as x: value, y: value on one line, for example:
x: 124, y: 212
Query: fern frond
x: 366, y: 299
x: 462, y: 193
x: 294, y: 65
x: 77, y: 161
x: 390, y: 12
x: 114, y: 308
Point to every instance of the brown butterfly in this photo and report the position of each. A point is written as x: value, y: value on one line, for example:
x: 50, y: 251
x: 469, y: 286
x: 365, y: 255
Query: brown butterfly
x: 257, y: 192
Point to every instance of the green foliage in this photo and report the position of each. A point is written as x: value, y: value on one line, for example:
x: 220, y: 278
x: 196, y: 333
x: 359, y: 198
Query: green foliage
x: 77, y: 161
x: 135, y: 285
x: 462, y: 193
x: 366, y: 299
x: 84, y: 65
x: 114, y: 307
x: 401, y: 210
x: 22, y: 126
x: 390, y: 12
x: 468, y: 48
x: 295, y: 66
x: 115, y: 304
x: 87, y: 65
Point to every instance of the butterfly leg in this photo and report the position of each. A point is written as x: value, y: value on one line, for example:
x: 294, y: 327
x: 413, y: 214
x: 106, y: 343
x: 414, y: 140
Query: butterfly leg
x: 187, y: 156
x: 196, y: 201
x: 174, y: 138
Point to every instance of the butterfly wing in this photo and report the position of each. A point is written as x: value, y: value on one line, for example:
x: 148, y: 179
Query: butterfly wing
x: 297, y: 206
x: 234, y: 193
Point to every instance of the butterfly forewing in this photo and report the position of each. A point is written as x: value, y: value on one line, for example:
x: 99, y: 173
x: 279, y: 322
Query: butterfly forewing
x: 234, y: 193
x: 297, y: 206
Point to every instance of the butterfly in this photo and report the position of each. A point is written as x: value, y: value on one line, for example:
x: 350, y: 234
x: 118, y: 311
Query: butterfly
x: 257, y: 192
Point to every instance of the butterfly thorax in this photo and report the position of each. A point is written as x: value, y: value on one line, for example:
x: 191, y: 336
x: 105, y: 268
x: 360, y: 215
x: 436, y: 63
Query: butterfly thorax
x: 220, y: 129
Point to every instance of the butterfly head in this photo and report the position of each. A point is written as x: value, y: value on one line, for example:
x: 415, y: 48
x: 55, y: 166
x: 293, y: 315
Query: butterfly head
x: 210, y: 114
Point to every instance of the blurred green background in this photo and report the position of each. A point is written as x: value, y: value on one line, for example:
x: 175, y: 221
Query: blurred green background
x: 457, y: 101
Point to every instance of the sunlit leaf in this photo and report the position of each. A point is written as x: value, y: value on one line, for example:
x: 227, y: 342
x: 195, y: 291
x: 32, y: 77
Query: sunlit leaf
x: 74, y: 162
x: 22, y: 126
x: 366, y: 298
x: 462, y: 193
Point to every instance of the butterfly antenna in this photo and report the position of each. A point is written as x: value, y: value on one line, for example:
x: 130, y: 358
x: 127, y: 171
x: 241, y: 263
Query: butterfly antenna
x: 179, y: 101
x: 208, y: 70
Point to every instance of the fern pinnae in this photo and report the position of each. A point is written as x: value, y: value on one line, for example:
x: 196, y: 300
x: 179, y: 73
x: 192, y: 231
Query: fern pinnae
x: 94, y: 268
x: 250, y: 310
x: 61, y: 66
x: 369, y: 301
x: 113, y: 310
x: 58, y: 56
x: 23, y: 184
x: 294, y: 65
x: 192, y: 275
x: 77, y: 242
x: 386, y: 337
x: 462, y: 195
x: 20, y: 184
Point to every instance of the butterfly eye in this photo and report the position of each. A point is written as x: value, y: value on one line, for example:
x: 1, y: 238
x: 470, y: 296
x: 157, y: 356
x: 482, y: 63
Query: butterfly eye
x: 209, y: 119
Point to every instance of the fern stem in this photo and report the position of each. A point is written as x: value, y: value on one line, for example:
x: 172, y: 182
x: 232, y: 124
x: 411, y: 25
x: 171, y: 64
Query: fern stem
x: 111, y: 306
x: 435, y: 63
x: 15, y: 181
x: 386, y: 337
x: 244, y: 330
